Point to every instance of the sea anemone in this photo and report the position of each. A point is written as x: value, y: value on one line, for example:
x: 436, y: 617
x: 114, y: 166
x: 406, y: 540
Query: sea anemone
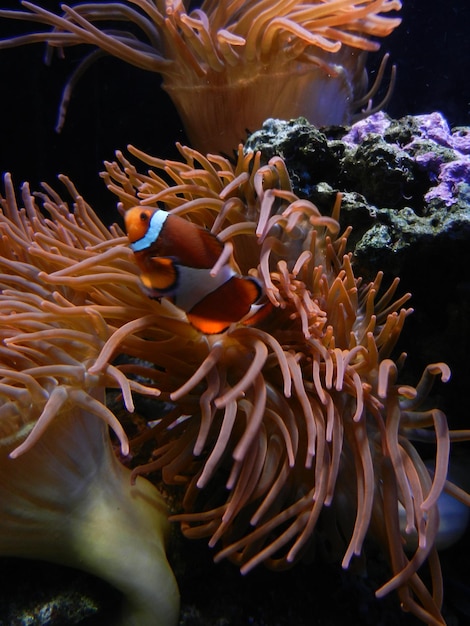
x: 271, y: 427
x: 64, y: 495
x: 277, y: 424
x: 230, y: 64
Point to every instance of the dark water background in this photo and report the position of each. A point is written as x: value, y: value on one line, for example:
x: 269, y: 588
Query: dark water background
x: 115, y: 104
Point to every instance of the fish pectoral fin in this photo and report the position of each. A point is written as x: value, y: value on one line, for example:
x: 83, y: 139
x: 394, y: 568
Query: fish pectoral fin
x: 162, y: 276
x: 227, y: 304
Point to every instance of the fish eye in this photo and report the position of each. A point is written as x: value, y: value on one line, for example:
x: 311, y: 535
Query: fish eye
x: 144, y: 217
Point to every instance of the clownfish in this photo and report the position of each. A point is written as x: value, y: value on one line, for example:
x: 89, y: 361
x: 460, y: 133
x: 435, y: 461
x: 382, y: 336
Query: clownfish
x: 176, y: 257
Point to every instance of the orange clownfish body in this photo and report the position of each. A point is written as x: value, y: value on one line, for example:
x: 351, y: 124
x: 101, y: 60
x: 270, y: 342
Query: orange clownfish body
x: 176, y: 258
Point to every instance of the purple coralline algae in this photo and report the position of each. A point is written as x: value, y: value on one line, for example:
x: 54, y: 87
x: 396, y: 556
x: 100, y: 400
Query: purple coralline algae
x: 451, y: 178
